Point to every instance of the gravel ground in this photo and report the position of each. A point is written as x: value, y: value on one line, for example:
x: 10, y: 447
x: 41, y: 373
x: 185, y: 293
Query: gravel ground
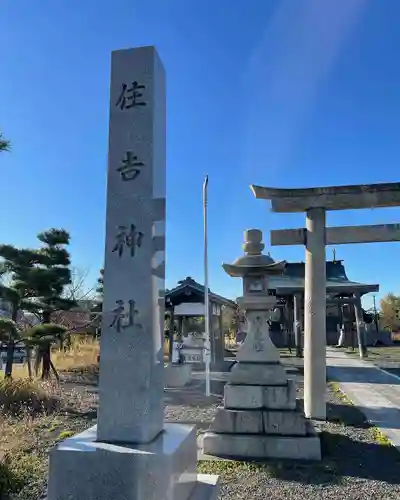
x: 190, y: 405
x: 357, y: 464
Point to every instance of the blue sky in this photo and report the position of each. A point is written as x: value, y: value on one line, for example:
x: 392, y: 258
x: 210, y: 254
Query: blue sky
x: 280, y: 93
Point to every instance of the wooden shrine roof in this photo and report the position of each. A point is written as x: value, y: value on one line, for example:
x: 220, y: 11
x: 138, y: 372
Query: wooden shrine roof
x: 189, y: 287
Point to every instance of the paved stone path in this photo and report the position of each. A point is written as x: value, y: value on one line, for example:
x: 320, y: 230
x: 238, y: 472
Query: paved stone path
x: 374, y: 391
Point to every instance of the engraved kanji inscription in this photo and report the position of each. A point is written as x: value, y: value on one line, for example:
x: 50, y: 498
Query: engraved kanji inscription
x: 128, y: 237
x: 258, y: 344
x: 130, y: 167
x: 124, y: 319
x: 130, y: 97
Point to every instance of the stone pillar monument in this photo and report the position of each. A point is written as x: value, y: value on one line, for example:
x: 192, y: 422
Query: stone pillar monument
x: 260, y: 417
x: 134, y: 270
x: 132, y: 454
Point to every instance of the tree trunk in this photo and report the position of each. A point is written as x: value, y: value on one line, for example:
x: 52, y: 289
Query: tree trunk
x: 10, y: 358
x: 11, y: 344
x: 55, y: 372
x: 29, y: 361
x: 46, y: 361
x: 46, y: 351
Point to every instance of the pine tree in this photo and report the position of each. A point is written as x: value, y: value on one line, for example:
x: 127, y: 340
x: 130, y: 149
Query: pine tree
x: 100, y: 284
x: 17, y: 263
x: 39, y: 277
x: 4, y: 144
x: 42, y: 337
x: 9, y: 336
x: 48, y: 281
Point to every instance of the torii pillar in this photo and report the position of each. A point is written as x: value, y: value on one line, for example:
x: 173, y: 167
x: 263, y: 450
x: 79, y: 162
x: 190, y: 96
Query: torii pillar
x: 315, y: 316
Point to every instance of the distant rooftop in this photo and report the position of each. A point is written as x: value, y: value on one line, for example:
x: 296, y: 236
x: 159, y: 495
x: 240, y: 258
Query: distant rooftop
x: 335, y: 270
x: 292, y: 280
x: 189, y: 285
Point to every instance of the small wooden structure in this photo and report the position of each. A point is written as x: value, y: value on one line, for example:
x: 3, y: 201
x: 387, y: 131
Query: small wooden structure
x: 184, y: 306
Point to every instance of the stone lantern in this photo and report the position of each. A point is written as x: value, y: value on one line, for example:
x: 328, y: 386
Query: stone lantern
x: 257, y: 303
x: 260, y: 417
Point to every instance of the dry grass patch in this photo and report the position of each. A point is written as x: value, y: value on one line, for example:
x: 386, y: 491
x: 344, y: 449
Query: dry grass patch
x: 26, y: 407
x: 27, y: 397
x: 81, y: 357
x: 19, y: 372
x: 35, y: 415
x: 24, y: 446
x: 30, y: 425
x: 18, y: 475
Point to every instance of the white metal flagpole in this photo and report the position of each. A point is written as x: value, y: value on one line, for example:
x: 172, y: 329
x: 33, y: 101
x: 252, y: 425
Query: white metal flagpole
x: 207, y: 344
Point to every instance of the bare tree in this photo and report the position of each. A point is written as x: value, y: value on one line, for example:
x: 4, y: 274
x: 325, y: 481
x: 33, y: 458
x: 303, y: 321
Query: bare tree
x: 79, y: 289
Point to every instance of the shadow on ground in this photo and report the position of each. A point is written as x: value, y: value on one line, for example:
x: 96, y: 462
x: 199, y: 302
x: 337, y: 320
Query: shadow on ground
x: 361, y: 459
x: 343, y: 457
x: 361, y: 375
x: 383, y: 417
x: 347, y: 448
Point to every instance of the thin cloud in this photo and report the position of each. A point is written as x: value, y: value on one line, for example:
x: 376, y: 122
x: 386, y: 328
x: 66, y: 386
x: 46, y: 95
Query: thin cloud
x: 297, y: 51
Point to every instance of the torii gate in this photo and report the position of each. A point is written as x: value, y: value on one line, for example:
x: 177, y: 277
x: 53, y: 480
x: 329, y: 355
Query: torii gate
x: 315, y: 202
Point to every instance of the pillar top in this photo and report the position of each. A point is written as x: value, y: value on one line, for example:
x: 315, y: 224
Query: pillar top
x: 254, y: 261
x: 253, y: 244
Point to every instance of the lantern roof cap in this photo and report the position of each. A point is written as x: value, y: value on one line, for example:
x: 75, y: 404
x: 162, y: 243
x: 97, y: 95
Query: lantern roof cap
x: 254, y: 261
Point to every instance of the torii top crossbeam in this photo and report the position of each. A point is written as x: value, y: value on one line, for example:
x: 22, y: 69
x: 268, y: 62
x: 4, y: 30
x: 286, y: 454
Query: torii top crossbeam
x: 331, y: 197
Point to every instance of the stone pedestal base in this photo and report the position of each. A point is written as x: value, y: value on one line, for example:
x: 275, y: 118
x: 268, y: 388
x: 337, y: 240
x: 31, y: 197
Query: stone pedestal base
x: 82, y: 468
x: 261, y: 418
x: 257, y: 446
x: 177, y: 375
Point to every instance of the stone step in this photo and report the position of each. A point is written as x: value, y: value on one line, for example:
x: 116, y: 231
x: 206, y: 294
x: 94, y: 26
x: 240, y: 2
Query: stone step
x: 253, y: 397
x: 258, y: 374
x: 271, y: 422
